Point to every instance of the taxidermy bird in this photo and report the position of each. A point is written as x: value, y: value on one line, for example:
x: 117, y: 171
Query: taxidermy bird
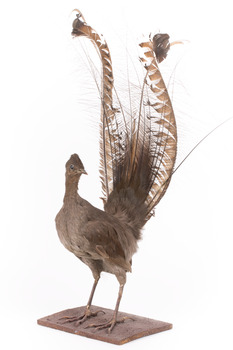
x: 137, y: 155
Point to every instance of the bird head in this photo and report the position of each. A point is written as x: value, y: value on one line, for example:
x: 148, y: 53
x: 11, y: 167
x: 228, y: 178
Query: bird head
x: 74, y: 167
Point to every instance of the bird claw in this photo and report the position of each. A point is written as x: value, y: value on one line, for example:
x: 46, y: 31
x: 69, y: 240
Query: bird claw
x: 79, y: 320
x: 110, y: 325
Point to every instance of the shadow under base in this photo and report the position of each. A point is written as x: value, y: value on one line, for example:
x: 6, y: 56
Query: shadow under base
x: 133, y: 328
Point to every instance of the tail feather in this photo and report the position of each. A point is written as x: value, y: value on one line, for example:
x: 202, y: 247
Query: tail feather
x: 109, y: 125
x: 137, y: 156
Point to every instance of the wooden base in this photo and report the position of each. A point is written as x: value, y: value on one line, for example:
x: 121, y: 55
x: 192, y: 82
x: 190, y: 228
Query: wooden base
x: 122, y: 333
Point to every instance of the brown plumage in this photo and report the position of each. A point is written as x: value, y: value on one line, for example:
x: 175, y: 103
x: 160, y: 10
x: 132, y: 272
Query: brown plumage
x: 137, y: 161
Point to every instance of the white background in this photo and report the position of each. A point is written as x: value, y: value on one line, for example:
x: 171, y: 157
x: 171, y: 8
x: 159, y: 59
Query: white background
x: 182, y: 272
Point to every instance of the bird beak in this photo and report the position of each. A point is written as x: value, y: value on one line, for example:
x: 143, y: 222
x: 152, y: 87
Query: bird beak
x: 178, y: 42
x: 84, y: 172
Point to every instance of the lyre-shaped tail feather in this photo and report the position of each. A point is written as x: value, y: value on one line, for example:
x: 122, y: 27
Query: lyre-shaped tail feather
x: 110, y: 144
x: 163, y: 141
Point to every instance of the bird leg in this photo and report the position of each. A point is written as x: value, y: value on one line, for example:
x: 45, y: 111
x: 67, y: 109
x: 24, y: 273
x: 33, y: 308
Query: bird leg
x: 110, y: 324
x: 87, y: 314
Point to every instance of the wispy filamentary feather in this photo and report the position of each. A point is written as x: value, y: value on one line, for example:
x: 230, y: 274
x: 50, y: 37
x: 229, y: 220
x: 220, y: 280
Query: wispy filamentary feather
x: 137, y: 154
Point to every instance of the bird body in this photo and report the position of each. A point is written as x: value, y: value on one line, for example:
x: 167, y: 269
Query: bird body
x: 105, y: 242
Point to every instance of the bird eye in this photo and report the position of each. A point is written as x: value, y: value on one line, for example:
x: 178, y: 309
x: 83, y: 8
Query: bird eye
x: 72, y: 167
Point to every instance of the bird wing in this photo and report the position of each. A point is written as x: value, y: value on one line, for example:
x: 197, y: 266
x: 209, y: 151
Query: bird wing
x: 103, y: 243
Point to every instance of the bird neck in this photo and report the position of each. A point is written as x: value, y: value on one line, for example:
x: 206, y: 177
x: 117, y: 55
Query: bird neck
x: 71, y: 187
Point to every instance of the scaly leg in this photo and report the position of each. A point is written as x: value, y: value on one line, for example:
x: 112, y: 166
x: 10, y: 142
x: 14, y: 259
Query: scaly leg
x: 87, y: 314
x: 110, y: 325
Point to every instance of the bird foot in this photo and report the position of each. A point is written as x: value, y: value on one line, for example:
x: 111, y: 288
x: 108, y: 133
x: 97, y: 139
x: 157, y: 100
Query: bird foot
x: 110, y: 325
x: 79, y: 320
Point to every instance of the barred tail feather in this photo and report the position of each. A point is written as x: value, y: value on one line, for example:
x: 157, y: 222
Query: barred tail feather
x: 109, y: 125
